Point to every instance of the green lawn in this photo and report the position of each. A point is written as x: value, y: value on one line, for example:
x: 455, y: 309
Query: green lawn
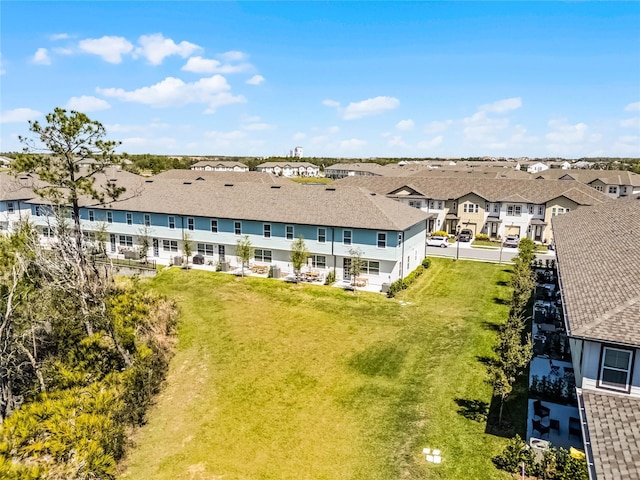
x: 278, y: 381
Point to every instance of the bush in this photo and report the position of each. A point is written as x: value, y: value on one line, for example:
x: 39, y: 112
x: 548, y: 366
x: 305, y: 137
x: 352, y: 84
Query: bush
x: 403, y: 283
x: 440, y: 233
x: 426, y: 263
x: 482, y: 237
x: 331, y: 278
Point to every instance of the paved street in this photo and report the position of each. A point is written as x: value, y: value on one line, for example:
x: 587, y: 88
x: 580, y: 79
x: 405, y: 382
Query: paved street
x: 467, y: 252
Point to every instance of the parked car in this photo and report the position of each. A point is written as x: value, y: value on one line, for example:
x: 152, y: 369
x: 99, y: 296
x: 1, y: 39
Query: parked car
x: 437, y: 241
x: 465, y: 235
x: 511, y: 241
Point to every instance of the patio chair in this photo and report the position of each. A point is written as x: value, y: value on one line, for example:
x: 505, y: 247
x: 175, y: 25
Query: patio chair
x: 538, y: 427
x: 540, y: 410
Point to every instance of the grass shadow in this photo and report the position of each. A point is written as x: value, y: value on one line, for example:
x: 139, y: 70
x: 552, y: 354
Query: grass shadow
x: 488, y: 361
x: 494, y: 327
x: 500, y: 301
x: 502, y: 283
x: 475, y: 410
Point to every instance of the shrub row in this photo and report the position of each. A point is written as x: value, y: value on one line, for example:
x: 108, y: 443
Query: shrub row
x: 482, y: 236
x: 404, y: 283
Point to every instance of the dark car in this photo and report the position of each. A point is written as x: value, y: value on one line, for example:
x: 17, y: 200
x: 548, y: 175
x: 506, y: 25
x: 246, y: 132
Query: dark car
x: 465, y: 235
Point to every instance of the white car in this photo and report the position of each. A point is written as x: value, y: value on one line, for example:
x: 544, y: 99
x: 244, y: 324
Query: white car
x: 437, y: 241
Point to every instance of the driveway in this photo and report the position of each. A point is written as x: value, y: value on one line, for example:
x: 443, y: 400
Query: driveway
x: 467, y: 252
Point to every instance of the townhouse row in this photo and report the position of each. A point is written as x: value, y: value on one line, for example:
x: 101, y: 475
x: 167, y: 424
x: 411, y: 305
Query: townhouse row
x: 492, y: 206
x: 212, y: 215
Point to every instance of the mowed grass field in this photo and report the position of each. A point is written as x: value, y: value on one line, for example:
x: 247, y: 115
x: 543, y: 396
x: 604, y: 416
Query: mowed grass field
x: 278, y: 381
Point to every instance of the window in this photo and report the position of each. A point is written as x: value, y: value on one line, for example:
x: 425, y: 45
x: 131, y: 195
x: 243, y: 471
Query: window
x: 615, y: 371
x: 431, y: 205
x: 191, y: 224
x: 415, y: 203
x: 289, y: 232
x: 322, y: 235
x: 371, y: 267
x: 487, y: 207
x: 599, y: 188
x: 10, y: 207
x: 470, y: 208
x: 382, y: 240
x: 318, y: 261
x: 554, y: 211
x: 38, y: 211
x: 530, y: 209
x: 540, y: 210
x: 147, y: 220
x: 514, y: 210
x: 109, y: 217
x: 613, y: 189
x: 496, y: 208
x: 346, y: 237
x: 399, y: 239
x: 214, y: 226
x: 47, y: 232
x: 170, y: 245
x: 262, y: 255
x: 125, y: 241
x: 205, y: 249
x: 237, y: 228
x: 172, y: 222
x: 454, y: 206
x: 91, y: 216
x: 221, y: 251
x: 266, y: 230
x: 439, y: 205
x: 623, y: 189
x: 129, y: 218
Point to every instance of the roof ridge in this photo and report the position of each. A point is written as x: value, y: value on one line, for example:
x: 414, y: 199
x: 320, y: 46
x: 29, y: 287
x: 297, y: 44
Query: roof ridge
x: 608, y: 315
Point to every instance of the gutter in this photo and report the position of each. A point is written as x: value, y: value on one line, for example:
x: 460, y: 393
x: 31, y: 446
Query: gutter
x: 585, y: 436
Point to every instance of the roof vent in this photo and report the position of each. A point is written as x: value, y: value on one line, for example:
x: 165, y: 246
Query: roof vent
x: 275, y: 186
x: 113, y: 179
x: 228, y: 184
x: 148, y: 181
x: 372, y: 194
x: 199, y: 179
x: 186, y: 183
x: 330, y: 189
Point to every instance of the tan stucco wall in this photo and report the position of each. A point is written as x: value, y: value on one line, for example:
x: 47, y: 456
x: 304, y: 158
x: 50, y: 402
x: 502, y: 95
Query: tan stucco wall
x: 473, y: 221
x: 560, y: 202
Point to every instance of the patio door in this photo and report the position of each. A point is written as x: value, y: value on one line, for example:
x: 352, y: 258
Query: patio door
x: 156, y: 248
x: 538, y: 233
x: 346, y: 268
x: 112, y: 240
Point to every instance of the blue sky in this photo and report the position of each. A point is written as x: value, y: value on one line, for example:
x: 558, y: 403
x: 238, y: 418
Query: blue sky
x: 340, y: 79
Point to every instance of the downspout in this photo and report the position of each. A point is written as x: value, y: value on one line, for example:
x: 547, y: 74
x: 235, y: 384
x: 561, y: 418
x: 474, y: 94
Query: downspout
x: 333, y: 233
x: 402, y: 257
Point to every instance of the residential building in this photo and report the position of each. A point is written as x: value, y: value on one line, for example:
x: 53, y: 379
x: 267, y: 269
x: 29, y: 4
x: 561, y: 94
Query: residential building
x: 614, y: 183
x: 598, y: 259
x: 496, y: 207
x: 341, y: 170
x: 219, y: 166
x: 290, y: 169
x: 213, y: 215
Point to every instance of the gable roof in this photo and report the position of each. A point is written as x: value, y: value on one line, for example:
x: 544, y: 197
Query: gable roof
x: 491, y: 189
x: 598, y: 252
x: 233, y: 177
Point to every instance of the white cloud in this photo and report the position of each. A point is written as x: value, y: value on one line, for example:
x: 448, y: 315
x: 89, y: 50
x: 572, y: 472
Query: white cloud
x: 255, y: 80
x: 233, y: 56
x: 434, y: 142
x: 41, y: 57
x: 371, y: 106
x: 87, y: 103
x: 300, y: 136
x: 59, y: 36
x: 211, y: 91
x: 438, y: 126
x: 502, y: 106
x: 155, y: 48
x: 109, y: 48
x: 632, y: 107
x: 482, y: 129
x: 396, y: 141
x: 567, y: 139
x: 352, y: 143
x: 19, y: 115
x: 209, y: 65
x: 224, y: 139
x: 319, y: 139
x: 118, y: 128
x: 331, y: 103
x: 63, y: 51
x: 633, y: 122
x: 258, y: 126
x: 333, y: 129
x: 405, y: 125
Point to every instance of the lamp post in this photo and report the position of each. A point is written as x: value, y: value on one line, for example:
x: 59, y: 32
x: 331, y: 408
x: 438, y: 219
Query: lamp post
x: 457, y: 241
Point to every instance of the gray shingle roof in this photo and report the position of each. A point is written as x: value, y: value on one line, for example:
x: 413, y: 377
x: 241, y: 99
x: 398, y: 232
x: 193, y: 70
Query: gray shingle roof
x: 614, y: 428
x: 285, y: 203
x: 193, y: 175
x: 598, y: 252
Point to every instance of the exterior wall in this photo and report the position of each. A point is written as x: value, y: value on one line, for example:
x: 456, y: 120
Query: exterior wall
x: 512, y: 222
x: 561, y: 205
x: 590, y: 368
x: 398, y: 257
x: 471, y: 219
x: 8, y: 219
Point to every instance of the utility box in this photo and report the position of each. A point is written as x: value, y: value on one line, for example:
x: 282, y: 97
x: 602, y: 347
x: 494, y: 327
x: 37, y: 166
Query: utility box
x: 385, y: 287
x: 274, y: 271
x: 177, y: 261
x: 224, y: 266
x: 198, y: 260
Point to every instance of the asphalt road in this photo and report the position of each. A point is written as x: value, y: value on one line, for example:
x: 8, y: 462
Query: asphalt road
x: 467, y: 252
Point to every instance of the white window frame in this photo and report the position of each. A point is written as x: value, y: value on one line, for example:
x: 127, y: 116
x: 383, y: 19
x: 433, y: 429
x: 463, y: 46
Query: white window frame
x: 205, y: 249
x: 125, y: 240
x: 347, y: 239
x: 10, y: 207
x: 266, y: 230
x: 318, y: 261
x: 381, y: 240
x: 191, y: 224
x: 147, y: 219
x: 289, y: 232
x: 263, y: 255
x: 169, y: 245
x: 214, y: 225
x: 628, y: 370
x: 129, y: 218
x: 237, y: 228
x: 92, y: 217
x: 171, y: 222
x: 322, y: 235
x: 109, y: 216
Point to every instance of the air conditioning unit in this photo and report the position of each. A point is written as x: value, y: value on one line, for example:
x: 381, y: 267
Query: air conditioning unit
x: 177, y: 260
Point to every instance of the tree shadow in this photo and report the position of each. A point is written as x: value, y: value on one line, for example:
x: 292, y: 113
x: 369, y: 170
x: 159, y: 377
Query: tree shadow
x: 494, y: 327
x: 500, y: 301
x: 487, y: 361
x: 475, y: 410
x: 502, y: 283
